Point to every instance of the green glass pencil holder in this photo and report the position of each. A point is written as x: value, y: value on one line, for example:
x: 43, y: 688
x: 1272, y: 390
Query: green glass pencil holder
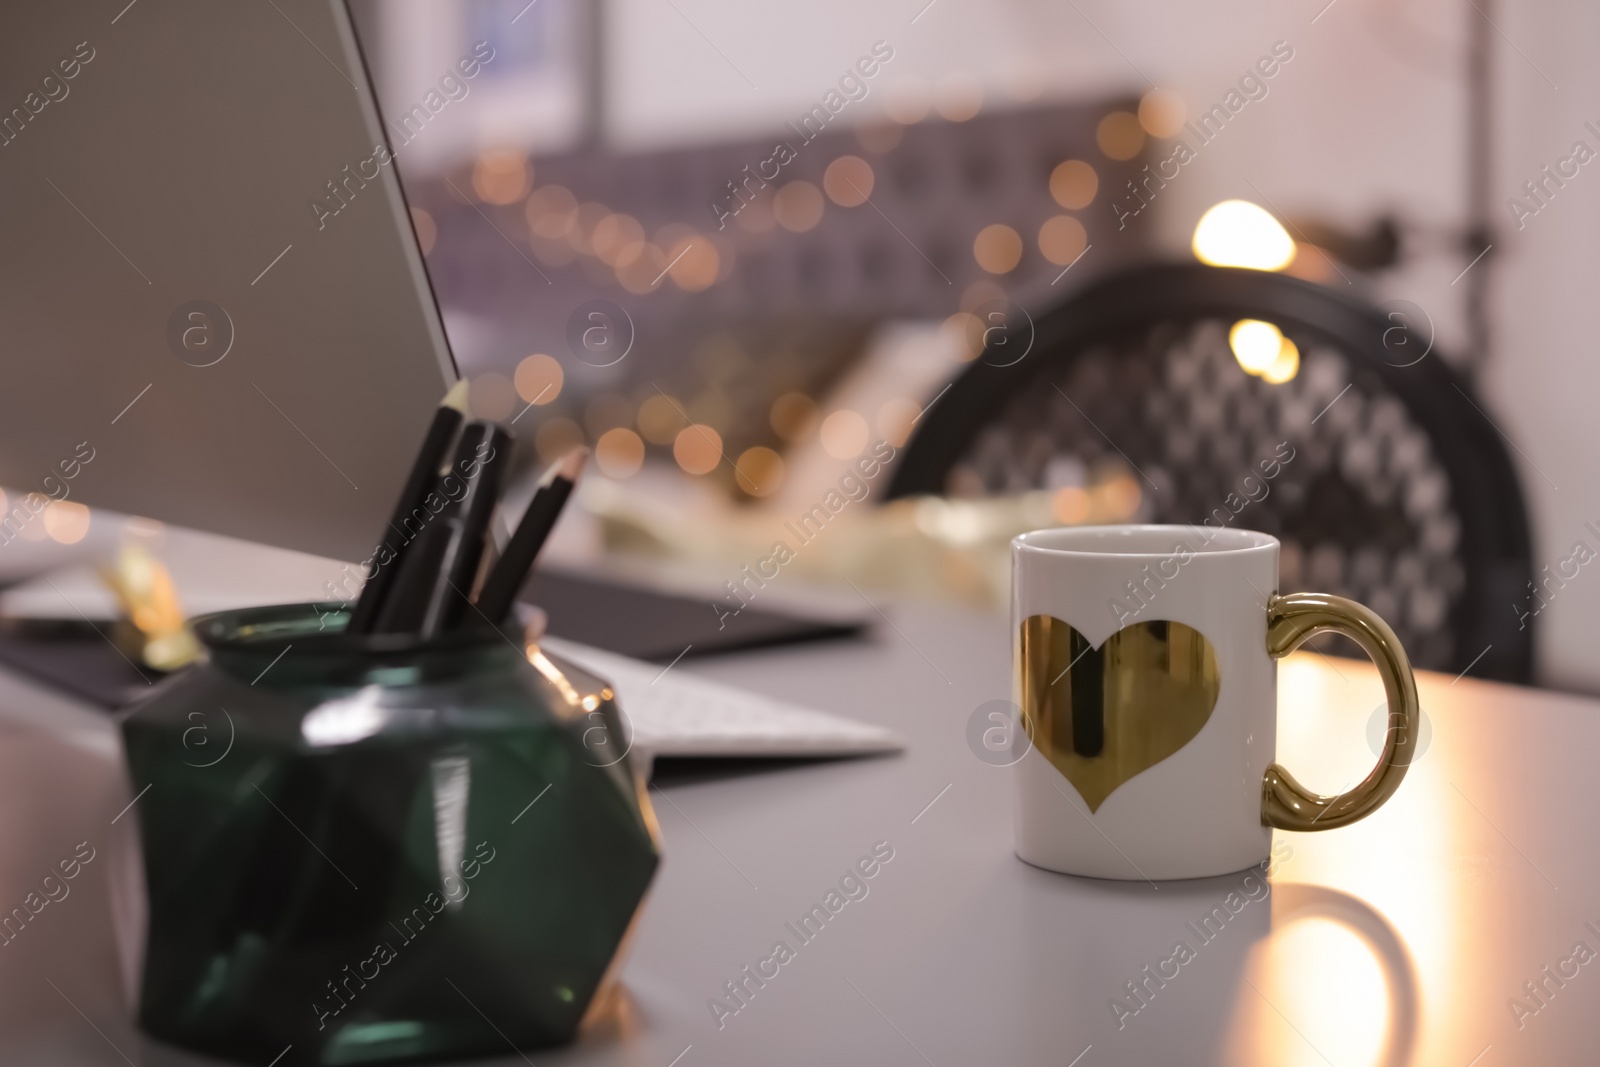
x: 370, y: 849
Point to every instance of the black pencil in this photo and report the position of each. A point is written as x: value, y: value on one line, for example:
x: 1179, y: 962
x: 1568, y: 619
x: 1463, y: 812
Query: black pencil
x: 396, y: 540
x: 431, y: 593
x: 511, y: 570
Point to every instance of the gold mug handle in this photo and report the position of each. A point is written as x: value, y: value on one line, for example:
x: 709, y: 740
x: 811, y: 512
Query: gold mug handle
x: 1292, y: 620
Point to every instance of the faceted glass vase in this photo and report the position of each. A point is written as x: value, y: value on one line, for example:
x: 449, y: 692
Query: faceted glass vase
x: 374, y: 850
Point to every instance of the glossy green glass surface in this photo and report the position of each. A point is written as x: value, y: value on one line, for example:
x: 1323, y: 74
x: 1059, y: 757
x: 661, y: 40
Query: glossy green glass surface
x: 376, y: 852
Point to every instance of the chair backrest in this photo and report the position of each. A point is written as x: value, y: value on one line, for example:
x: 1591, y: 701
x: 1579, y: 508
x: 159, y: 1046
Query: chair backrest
x: 1397, y: 492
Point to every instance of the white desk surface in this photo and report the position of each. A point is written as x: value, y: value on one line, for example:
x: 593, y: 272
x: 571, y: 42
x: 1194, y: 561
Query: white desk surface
x: 1397, y: 941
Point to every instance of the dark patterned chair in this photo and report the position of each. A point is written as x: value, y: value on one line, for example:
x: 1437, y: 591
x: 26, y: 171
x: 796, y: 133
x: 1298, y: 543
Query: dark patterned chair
x: 1400, y: 494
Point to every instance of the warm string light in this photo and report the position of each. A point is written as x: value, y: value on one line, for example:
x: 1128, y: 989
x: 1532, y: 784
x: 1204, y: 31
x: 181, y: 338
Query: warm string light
x: 538, y: 379
x: 1261, y: 349
x: 697, y: 449
x: 552, y: 211
x: 1161, y: 113
x: 619, y: 453
x: 1062, y: 239
x: 997, y: 248
x: 1237, y: 233
x: 793, y: 416
x: 556, y: 437
x: 501, y: 177
x: 66, y: 521
x: 797, y: 206
x: 563, y: 230
x: 1120, y: 136
x: 694, y: 261
x: 1073, y: 184
x: 1285, y: 367
x: 844, y: 434
x: 617, y: 240
x: 491, y: 395
x: 880, y: 137
x: 1255, y: 344
x: 759, y: 471
x: 659, y: 419
x: 966, y: 330
x: 848, y: 181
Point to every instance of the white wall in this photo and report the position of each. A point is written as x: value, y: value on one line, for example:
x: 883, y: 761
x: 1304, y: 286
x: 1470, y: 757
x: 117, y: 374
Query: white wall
x: 1544, y: 376
x: 1368, y: 116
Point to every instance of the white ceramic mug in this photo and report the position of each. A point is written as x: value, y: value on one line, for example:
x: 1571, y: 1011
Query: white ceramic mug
x: 1147, y: 677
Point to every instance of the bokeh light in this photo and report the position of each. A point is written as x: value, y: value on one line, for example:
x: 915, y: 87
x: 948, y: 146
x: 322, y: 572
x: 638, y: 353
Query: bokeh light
x: 660, y: 419
x: 552, y: 211
x: 997, y: 248
x: 793, y: 416
x: 619, y: 453
x: 1161, y: 113
x: 500, y: 177
x: 759, y: 470
x: 798, y: 207
x: 1119, y: 135
x: 848, y: 181
x: 1062, y: 239
x: 642, y: 273
x: 617, y: 239
x: 557, y: 437
x: 1070, y: 505
x: 1255, y: 344
x: 844, y: 434
x: 66, y: 521
x: 538, y: 379
x: 1120, y: 496
x: 981, y: 292
x: 491, y: 396
x: 1073, y: 184
x: 694, y: 263
x: 1286, y: 366
x: 966, y: 333
x: 553, y: 253
x: 698, y: 449
x: 587, y: 218
x: 1237, y: 233
x: 880, y: 136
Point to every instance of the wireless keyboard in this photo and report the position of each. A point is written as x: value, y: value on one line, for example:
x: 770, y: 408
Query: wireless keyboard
x: 674, y: 713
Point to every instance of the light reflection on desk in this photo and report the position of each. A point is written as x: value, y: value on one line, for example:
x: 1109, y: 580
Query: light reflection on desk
x: 1335, y: 981
x: 1332, y: 983
x: 1327, y: 978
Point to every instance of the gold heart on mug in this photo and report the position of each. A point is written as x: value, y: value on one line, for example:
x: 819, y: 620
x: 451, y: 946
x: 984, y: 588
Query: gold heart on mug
x: 1102, y: 715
